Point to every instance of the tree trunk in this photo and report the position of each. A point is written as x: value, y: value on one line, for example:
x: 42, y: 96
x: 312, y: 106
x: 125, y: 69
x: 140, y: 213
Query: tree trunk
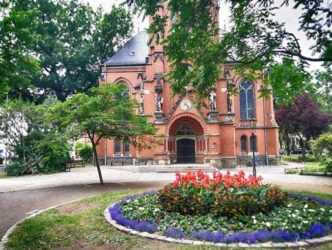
x: 287, y: 144
x: 94, y: 147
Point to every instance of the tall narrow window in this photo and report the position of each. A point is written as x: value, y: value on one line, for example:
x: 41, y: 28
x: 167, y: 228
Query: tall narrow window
x: 247, y: 110
x: 117, y: 146
x: 126, y: 146
x: 243, y: 143
x: 253, y: 143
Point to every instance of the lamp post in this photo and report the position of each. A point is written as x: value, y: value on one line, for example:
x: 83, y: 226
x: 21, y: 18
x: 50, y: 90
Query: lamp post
x: 253, y: 144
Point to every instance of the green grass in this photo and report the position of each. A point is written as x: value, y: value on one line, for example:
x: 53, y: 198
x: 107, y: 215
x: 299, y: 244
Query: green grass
x: 59, y: 227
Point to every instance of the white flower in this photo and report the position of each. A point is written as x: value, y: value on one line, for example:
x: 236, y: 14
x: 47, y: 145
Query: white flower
x: 293, y: 215
x: 289, y: 205
x: 255, y: 221
x: 306, y: 206
x: 305, y: 222
x: 322, y: 209
x: 268, y: 224
x: 141, y: 208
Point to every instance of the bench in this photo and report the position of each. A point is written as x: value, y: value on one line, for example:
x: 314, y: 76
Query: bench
x: 120, y: 161
x: 143, y: 161
x: 73, y: 164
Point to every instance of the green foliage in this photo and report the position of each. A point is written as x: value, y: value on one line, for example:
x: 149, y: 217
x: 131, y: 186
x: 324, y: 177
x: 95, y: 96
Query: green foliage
x: 66, y: 40
x: 322, y: 148
x: 263, y: 200
x: 315, y: 167
x: 295, y: 215
x: 17, y: 65
x: 200, y: 201
x: 54, y: 152
x: 39, y: 147
x: 299, y: 158
x: 324, y: 86
x: 15, y: 168
x: 86, y: 153
x: 253, y: 42
x: 103, y: 112
x: 288, y: 80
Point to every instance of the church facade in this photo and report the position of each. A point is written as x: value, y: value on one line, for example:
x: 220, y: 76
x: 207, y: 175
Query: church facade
x: 224, y: 132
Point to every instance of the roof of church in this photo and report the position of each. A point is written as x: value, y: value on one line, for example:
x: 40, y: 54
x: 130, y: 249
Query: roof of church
x: 133, y: 52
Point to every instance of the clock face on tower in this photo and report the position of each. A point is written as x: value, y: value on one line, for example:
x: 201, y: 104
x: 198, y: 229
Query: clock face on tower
x: 185, y: 105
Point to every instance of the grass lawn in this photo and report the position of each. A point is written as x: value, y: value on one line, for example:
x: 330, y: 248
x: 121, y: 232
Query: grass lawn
x: 82, y: 225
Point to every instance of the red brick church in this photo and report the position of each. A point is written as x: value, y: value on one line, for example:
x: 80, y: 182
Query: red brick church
x: 221, y: 133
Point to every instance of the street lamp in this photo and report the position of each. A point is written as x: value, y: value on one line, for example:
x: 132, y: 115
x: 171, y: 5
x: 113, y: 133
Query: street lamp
x: 253, y: 144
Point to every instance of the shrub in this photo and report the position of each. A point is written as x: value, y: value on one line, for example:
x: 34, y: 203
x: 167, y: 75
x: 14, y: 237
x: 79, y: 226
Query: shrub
x: 86, y: 153
x: 15, y: 168
x: 299, y: 158
x: 322, y: 148
x: 198, y: 194
x: 54, y: 153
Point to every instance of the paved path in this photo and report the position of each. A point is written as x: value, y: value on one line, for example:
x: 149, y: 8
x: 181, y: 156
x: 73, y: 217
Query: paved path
x: 88, y: 175
x: 15, y: 206
x: 21, y: 195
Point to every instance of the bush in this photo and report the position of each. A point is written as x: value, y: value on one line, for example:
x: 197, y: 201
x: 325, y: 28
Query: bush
x: 54, y: 153
x: 15, y: 168
x: 226, y: 195
x: 299, y: 158
x: 322, y: 148
x: 86, y: 153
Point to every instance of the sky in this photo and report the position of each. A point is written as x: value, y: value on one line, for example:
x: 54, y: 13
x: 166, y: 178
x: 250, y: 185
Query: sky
x: 286, y: 15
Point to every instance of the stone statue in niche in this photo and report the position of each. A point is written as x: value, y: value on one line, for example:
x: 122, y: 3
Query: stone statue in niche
x: 229, y: 103
x: 159, y: 102
x: 141, y: 102
x: 213, y: 100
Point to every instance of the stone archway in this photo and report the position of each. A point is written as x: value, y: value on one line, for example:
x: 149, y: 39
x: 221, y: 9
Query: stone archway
x: 186, y: 141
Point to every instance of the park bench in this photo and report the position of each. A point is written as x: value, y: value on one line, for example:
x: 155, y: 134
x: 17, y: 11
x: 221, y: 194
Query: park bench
x: 73, y: 164
x: 143, y: 161
x: 120, y: 161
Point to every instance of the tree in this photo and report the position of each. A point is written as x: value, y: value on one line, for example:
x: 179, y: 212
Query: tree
x: 104, y: 112
x: 288, y: 80
x: 69, y: 40
x: 322, y: 148
x: 252, y: 43
x: 323, y: 89
x: 37, y: 147
x: 302, y: 118
x: 17, y: 65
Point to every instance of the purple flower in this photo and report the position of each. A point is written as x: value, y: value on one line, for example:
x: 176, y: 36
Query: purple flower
x: 316, y: 230
x: 263, y: 235
x: 208, y: 235
x: 174, y: 233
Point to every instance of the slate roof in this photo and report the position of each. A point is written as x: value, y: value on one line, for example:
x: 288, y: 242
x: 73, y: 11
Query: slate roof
x: 133, y: 52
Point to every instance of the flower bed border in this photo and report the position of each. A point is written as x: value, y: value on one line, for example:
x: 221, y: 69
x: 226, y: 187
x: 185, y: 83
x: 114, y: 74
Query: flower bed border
x: 302, y: 243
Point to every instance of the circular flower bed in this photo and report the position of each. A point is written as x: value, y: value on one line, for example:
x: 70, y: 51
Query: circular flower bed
x: 225, y: 209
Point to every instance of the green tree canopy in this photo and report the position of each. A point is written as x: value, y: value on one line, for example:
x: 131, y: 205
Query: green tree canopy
x: 104, y: 112
x: 67, y: 39
x: 252, y: 43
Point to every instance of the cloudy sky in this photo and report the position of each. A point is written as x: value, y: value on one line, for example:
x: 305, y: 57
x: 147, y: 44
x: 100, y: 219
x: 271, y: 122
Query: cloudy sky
x: 286, y: 15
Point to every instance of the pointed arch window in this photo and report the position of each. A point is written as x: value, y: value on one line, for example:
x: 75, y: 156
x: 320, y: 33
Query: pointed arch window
x: 126, y: 146
x: 185, y: 130
x: 243, y: 143
x: 247, y: 110
x: 253, y: 143
x: 117, y: 146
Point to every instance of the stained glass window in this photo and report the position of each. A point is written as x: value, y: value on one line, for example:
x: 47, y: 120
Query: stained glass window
x: 247, y: 107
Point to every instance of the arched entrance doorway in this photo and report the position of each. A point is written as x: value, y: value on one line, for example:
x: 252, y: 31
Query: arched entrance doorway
x: 186, y: 141
x: 185, y: 144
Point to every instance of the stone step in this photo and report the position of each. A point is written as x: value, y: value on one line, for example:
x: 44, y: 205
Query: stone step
x: 184, y: 168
